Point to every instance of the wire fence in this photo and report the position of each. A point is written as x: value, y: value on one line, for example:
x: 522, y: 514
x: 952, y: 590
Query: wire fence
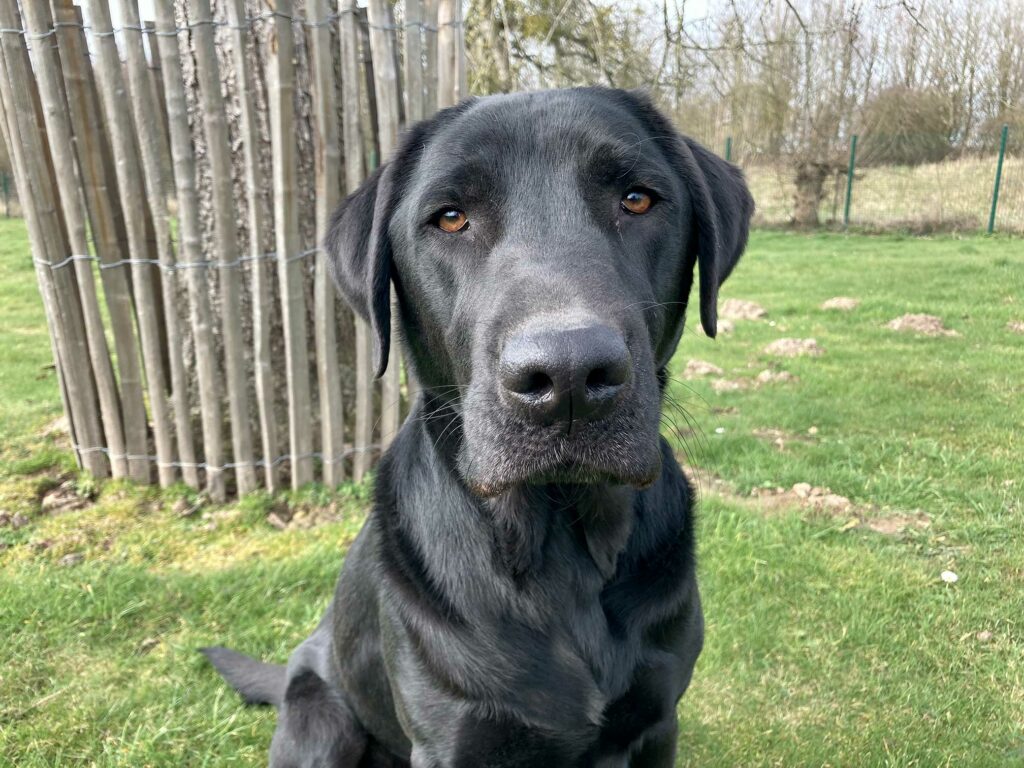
x: 981, y: 191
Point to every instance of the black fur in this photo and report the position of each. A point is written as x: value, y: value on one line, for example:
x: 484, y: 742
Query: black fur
x: 521, y: 594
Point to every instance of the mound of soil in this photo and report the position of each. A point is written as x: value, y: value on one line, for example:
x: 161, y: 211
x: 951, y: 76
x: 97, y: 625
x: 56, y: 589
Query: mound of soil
x: 843, y: 303
x: 738, y: 309
x: 924, y: 325
x: 768, y: 376
x: 794, y: 348
x: 697, y: 368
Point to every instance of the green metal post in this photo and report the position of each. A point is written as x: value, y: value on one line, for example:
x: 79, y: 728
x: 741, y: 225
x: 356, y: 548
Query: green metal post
x: 999, y: 178
x: 849, y: 180
x: 728, y: 148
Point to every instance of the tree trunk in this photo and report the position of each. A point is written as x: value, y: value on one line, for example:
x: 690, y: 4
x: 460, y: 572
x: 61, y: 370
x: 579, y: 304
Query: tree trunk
x: 810, y: 191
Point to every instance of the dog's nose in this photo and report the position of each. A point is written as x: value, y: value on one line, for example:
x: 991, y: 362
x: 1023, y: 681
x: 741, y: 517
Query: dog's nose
x: 562, y: 375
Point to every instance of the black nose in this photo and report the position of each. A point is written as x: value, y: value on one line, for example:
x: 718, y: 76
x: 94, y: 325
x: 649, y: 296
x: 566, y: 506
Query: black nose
x: 561, y: 375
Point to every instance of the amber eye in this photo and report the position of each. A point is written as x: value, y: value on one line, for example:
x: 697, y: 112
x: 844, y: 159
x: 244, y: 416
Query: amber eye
x: 637, y: 201
x: 452, y: 220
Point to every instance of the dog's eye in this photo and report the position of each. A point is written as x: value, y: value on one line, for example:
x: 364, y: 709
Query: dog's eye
x: 637, y: 201
x: 452, y: 220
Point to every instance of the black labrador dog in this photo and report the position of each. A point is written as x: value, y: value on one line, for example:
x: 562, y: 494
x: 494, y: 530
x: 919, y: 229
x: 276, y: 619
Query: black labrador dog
x: 524, y: 591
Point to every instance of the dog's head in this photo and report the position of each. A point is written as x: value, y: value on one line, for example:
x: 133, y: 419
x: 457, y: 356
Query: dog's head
x: 543, y: 247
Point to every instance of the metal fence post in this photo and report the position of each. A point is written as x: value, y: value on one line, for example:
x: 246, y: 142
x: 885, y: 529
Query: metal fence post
x: 849, y: 180
x: 999, y: 178
x: 728, y: 148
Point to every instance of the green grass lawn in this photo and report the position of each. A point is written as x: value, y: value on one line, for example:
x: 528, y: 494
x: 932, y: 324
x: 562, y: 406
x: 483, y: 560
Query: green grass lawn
x: 828, y: 643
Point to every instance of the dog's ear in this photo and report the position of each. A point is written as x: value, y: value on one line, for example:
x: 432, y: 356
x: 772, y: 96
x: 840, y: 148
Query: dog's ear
x: 722, y: 207
x: 358, y: 251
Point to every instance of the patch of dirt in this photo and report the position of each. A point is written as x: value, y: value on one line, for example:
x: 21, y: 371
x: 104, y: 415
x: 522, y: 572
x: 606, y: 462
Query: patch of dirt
x: 925, y: 325
x: 842, y: 303
x: 894, y: 525
x: 63, y: 498
x: 768, y: 376
x: 822, y: 501
x: 56, y: 428
x: 730, y: 385
x: 779, y: 438
x: 13, y: 521
x: 70, y: 560
x: 1015, y: 326
x: 723, y: 326
x: 697, y: 368
x: 303, y: 517
x: 794, y: 348
x: 738, y: 309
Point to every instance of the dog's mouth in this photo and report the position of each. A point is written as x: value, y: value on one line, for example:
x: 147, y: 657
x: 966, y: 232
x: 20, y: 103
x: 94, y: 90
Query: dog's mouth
x: 615, y: 454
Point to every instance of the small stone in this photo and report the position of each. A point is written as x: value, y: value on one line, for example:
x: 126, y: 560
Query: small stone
x: 984, y: 636
x: 147, y: 645
x: 803, y: 490
x: 19, y: 521
x: 949, y: 577
x: 73, y: 559
x: 719, y: 430
x: 1016, y: 326
x: 812, y: 431
x: 276, y: 521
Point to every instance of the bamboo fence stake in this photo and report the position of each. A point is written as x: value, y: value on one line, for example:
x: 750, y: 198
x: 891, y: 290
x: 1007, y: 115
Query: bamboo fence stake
x: 92, y: 148
x: 260, y: 282
x: 447, y: 73
x: 131, y: 189
x: 156, y: 74
x: 382, y: 46
x: 328, y: 162
x: 146, y: 114
x: 226, y: 244
x: 290, y: 265
x: 191, y: 252
x: 413, y: 61
x: 57, y: 286
x: 348, y: 38
x: 24, y: 143
x: 55, y: 114
x: 430, y: 56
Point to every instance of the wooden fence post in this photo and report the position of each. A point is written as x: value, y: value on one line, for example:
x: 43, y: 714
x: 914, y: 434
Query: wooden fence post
x: 219, y: 152
x: 385, y: 76
x: 191, y: 253
x: 150, y: 137
x: 289, y: 265
x: 93, y: 151
x: 260, y: 278
x: 328, y: 163
x: 59, y: 293
x: 114, y: 95
x: 51, y: 92
x: 430, y: 56
x: 447, y: 72
x: 348, y: 38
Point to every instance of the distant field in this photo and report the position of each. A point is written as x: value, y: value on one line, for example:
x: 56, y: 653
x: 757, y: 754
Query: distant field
x: 950, y: 196
x: 832, y: 637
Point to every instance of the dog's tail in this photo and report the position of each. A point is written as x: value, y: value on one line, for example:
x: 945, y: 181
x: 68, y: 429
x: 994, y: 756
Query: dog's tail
x: 257, y: 681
